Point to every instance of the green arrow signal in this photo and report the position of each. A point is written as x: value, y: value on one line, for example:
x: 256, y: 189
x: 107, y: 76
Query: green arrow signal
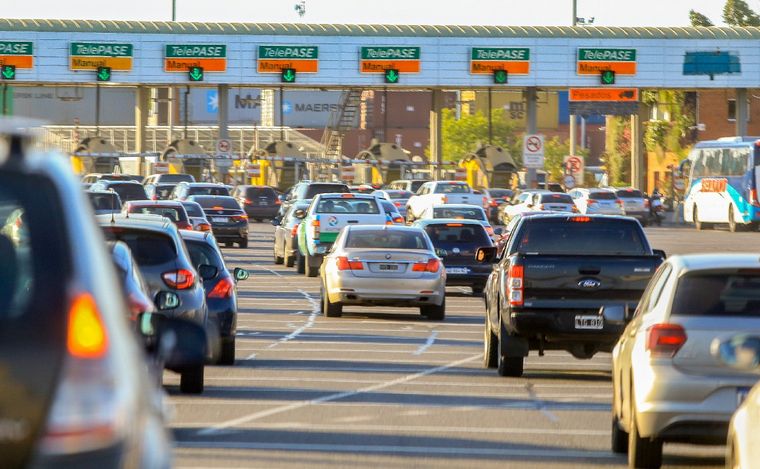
x: 608, y: 77
x: 500, y: 77
x: 104, y: 74
x: 9, y: 72
x: 196, y: 73
x: 391, y: 75
x: 288, y: 75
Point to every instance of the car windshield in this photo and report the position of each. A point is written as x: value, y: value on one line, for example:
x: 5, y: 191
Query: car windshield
x: 586, y: 236
x: 452, y: 188
x: 105, y: 201
x: 314, y: 190
x: 348, y: 205
x: 458, y: 234
x: 556, y: 199
x: 172, y: 213
x: 224, y: 202
x: 465, y: 213
x: 129, y: 192
x: 193, y: 209
x: 500, y: 193
x: 602, y: 195
x: 386, y: 239
x: 208, y: 190
x: 733, y: 293
x: 148, y: 248
x: 630, y: 194
x: 203, y: 254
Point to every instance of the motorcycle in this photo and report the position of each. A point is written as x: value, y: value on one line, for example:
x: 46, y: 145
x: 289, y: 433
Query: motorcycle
x: 656, y: 209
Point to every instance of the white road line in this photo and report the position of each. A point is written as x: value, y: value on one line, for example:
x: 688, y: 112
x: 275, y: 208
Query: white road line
x: 427, y: 344
x: 323, y: 350
x: 332, y: 397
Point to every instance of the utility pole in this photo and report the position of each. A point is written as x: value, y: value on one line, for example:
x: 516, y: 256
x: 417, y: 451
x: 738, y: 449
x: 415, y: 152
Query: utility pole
x: 575, y: 12
x: 573, y: 121
x: 174, y: 10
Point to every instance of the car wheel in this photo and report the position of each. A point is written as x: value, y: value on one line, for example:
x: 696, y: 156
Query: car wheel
x: 228, y: 244
x: 733, y: 227
x: 243, y: 243
x: 191, y: 381
x: 491, y: 347
x: 697, y: 223
x: 434, y: 312
x: 619, y: 437
x: 509, y: 366
x: 329, y: 309
x: 227, y: 355
x: 477, y: 290
x: 311, y: 271
x: 300, y: 263
x: 642, y: 452
x: 290, y: 261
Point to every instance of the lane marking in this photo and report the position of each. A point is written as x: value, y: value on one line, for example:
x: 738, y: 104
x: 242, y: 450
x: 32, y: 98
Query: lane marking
x: 427, y: 344
x: 332, y: 397
x: 540, y: 403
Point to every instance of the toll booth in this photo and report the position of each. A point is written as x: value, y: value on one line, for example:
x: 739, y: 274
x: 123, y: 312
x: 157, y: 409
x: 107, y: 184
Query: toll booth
x: 187, y: 156
x: 95, y: 155
x: 280, y: 164
x: 382, y: 163
x: 489, y: 166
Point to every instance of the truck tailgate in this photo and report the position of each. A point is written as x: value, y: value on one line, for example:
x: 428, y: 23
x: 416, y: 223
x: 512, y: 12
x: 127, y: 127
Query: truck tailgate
x: 587, y: 282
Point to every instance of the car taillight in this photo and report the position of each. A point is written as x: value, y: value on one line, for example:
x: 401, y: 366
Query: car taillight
x: 222, y: 289
x: 574, y: 209
x: 183, y: 225
x: 493, y: 203
x: 294, y: 231
x: 515, y: 283
x: 277, y: 201
x: 485, y: 202
x: 398, y: 220
x: 181, y: 279
x: 619, y: 202
x: 753, y: 198
x: 432, y: 265
x: 541, y: 207
x: 204, y: 227
x: 665, y: 339
x: 444, y: 199
x: 315, y: 228
x: 580, y: 219
x: 239, y: 218
x: 87, y: 412
x: 489, y: 230
x: 592, y: 202
x: 344, y: 264
x: 247, y: 201
x: 155, y: 197
x: 397, y: 204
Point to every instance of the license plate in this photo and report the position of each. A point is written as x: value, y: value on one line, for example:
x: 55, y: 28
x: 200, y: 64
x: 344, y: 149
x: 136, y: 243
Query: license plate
x: 741, y: 394
x: 589, y: 322
x: 457, y: 270
x: 388, y: 267
x: 218, y: 219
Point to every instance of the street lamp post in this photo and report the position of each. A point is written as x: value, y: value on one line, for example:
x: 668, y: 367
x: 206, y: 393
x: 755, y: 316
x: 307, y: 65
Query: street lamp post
x: 174, y: 10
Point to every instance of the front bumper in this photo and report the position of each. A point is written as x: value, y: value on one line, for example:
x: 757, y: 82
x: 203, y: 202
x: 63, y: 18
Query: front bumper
x: 383, y: 291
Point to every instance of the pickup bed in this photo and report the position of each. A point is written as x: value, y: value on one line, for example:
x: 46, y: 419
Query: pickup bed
x: 563, y: 282
x: 440, y: 192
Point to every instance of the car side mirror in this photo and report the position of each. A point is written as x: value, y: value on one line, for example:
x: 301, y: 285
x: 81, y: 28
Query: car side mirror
x: 741, y: 352
x: 300, y: 213
x: 166, y: 300
x: 240, y: 274
x: 207, y: 272
x: 485, y: 254
x: 498, y: 231
x: 661, y: 253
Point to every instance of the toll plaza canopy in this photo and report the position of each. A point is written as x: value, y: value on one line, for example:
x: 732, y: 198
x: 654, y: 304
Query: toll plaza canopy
x: 402, y: 56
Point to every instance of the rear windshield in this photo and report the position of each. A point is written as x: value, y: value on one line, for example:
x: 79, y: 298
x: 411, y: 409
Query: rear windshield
x: 556, y: 199
x: 172, y: 213
x: 400, y: 195
x: 255, y: 192
x: 105, y: 201
x: 452, y: 188
x: 473, y: 213
x: 718, y: 294
x: 129, y: 192
x: 208, y: 190
x: 224, y: 202
x: 416, y: 185
x: 203, y: 254
x: 357, y: 206
x: 500, y: 193
x: 118, y: 177
x: 164, y: 191
x: 386, y: 239
x: 602, y: 196
x: 177, y: 178
x: 362, y: 190
x: 193, y: 209
x: 148, y: 248
x: 315, y: 189
x: 389, y: 207
x: 630, y: 194
x: 456, y: 233
x: 591, y: 237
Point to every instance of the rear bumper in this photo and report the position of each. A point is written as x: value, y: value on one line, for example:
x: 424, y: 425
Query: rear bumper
x: 558, y: 326
x: 374, y: 291
x: 230, y: 231
x: 466, y: 280
x: 261, y: 211
x: 638, y: 215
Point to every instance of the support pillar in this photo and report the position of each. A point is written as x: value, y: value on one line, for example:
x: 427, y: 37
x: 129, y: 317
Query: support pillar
x: 142, y: 110
x: 741, y: 112
x: 436, y: 132
x: 573, y: 134
x: 531, y: 128
x: 637, y: 153
x: 223, y: 116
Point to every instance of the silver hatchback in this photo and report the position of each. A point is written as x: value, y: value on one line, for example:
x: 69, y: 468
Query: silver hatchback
x: 387, y: 265
x: 667, y: 385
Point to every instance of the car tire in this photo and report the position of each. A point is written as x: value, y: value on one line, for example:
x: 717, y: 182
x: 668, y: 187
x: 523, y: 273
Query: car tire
x: 300, y: 263
x: 311, y: 271
x: 191, y: 381
x: 227, y: 355
x: 330, y: 309
x: 642, y: 452
x: 290, y: 261
x: 619, y: 437
x: 243, y: 243
x: 477, y: 290
x: 491, y: 347
x: 434, y: 312
x: 733, y: 227
x: 699, y: 225
x: 509, y: 366
x: 228, y: 244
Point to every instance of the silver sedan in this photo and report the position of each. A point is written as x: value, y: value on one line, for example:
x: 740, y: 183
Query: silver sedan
x: 383, y: 266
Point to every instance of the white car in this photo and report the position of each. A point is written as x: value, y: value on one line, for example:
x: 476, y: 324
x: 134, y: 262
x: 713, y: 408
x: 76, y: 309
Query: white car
x: 597, y: 201
x: 459, y: 212
x: 441, y: 192
x: 521, y: 203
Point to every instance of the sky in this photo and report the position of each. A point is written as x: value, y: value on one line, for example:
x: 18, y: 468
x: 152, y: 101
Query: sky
x: 471, y: 12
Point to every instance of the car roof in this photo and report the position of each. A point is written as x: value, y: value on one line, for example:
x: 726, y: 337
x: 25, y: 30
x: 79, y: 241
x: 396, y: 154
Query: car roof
x: 102, y: 193
x: 716, y: 261
x: 189, y: 202
x: 201, y: 184
x: 444, y: 221
x: 195, y: 235
x: 456, y: 206
x: 337, y: 195
x: 568, y: 215
x: 382, y: 227
x: 154, y: 203
x: 144, y: 222
x: 207, y: 196
x: 116, y: 183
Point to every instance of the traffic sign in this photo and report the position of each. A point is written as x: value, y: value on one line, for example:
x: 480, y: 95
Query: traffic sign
x: 92, y: 55
x: 347, y: 172
x: 460, y: 174
x: 223, y: 147
x: 208, y: 57
x: 575, y: 166
x: 253, y: 169
x: 288, y: 75
x: 274, y: 58
x: 591, y: 61
x: 8, y: 72
x: 104, y: 74
x: 486, y: 60
x: 379, y: 59
x: 195, y: 73
x: 607, y: 77
x: 160, y: 167
x: 391, y: 75
x: 604, y: 94
x: 533, y: 151
x: 17, y: 53
x: 500, y: 77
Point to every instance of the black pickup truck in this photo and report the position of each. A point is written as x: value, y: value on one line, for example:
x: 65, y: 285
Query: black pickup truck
x: 563, y: 282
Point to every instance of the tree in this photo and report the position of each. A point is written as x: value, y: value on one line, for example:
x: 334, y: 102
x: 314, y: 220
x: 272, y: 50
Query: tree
x: 462, y: 136
x: 698, y: 19
x: 617, y: 154
x: 555, y: 150
x: 738, y: 13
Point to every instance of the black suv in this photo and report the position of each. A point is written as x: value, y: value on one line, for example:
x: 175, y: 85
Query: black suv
x: 259, y: 202
x: 308, y: 190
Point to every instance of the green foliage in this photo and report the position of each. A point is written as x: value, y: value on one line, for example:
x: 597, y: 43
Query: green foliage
x: 655, y: 134
x: 617, y: 155
x: 462, y: 136
x: 698, y: 19
x: 738, y: 13
x: 555, y: 150
x: 668, y: 135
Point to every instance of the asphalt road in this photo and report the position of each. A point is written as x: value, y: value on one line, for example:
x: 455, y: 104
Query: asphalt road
x: 383, y: 387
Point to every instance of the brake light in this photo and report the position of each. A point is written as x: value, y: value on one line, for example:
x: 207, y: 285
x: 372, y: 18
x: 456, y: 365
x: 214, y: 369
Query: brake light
x: 665, y: 339
x: 155, y: 197
x: 315, y: 228
x: 217, y: 207
x: 180, y: 279
x: 248, y: 201
x: 619, y: 202
x: 397, y: 204
x: 87, y: 336
x: 240, y: 218
x: 398, y: 220
x: 753, y: 198
x: 515, y: 283
x: 183, y: 225
x: 204, y: 227
x: 344, y: 264
x: 222, y: 289
x: 489, y: 230
x: 277, y: 201
x: 432, y: 265
x: 454, y: 224
x: 580, y: 219
x: 294, y: 231
x: 347, y: 196
x: 485, y: 201
x: 592, y: 202
x: 493, y: 203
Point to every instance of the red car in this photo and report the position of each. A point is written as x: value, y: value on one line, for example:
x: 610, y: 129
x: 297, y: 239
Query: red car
x: 171, y: 209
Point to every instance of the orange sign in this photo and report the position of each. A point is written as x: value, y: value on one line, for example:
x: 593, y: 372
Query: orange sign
x: 714, y: 185
x: 604, y: 94
x: 276, y: 66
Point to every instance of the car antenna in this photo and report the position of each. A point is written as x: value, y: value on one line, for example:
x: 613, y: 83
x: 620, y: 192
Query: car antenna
x: 113, y: 207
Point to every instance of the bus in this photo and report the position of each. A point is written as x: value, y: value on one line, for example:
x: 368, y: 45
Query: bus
x: 723, y: 180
